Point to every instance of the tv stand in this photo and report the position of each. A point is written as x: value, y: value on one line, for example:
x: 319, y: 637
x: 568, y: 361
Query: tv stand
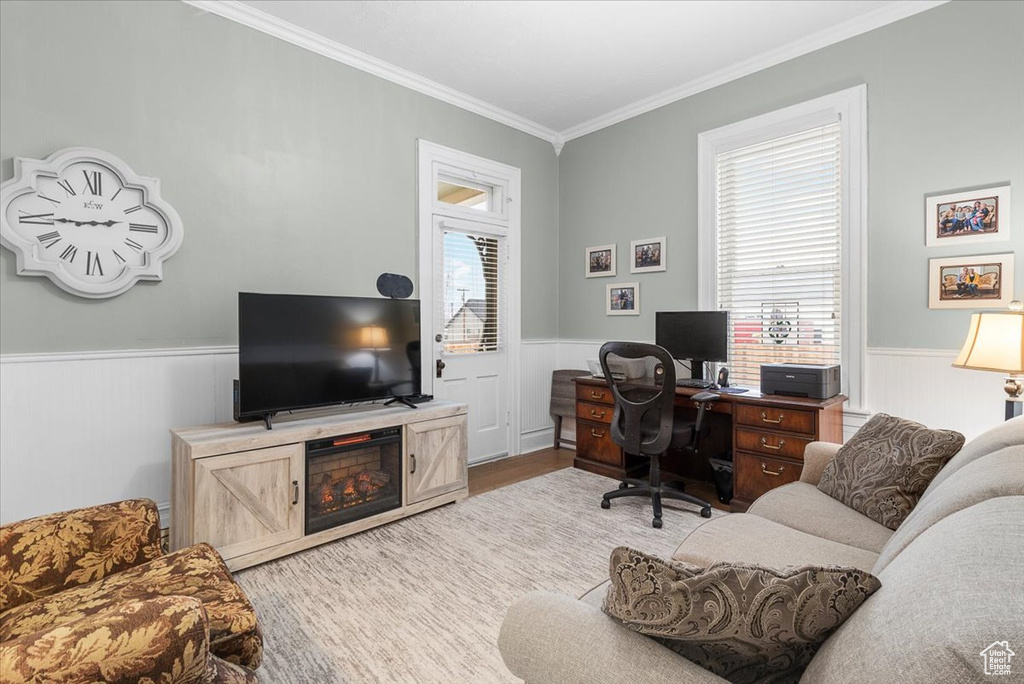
x: 268, y: 420
x: 405, y: 401
x: 243, y: 489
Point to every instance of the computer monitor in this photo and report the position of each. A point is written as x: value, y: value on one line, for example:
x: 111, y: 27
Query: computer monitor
x: 697, y: 336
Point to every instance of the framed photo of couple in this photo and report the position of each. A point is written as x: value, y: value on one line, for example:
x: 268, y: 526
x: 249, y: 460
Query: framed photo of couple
x: 971, y: 282
x: 968, y: 217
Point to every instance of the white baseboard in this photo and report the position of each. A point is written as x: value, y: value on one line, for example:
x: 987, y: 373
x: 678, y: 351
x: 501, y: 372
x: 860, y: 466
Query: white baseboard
x: 536, y: 440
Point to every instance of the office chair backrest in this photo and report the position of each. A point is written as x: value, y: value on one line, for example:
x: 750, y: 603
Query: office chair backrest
x: 642, y: 423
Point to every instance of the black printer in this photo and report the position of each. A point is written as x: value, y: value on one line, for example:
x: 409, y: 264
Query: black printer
x: 800, y: 380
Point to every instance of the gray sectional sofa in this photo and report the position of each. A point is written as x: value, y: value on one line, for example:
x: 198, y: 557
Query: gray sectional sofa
x: 951, y: 579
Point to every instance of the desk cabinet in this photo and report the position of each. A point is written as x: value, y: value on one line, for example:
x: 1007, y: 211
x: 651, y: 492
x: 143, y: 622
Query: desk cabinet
x: 768, y: 435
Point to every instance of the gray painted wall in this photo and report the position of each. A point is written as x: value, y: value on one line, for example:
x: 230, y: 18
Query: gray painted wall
x: 291, y: 172
x: 638, y: 178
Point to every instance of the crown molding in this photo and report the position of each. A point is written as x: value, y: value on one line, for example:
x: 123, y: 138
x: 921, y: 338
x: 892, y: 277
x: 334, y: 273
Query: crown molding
x: 271, y: 25
x: 848, y: 29
x: 261, y: 21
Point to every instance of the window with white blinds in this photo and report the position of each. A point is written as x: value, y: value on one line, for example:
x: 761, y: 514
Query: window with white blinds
x: 472, y: 296
x: 779, y: 263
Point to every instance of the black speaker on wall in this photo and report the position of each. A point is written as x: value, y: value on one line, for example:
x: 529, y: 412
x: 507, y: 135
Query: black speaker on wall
x: 394, y: 285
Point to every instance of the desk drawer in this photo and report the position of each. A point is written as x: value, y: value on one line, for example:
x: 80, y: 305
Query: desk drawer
x: 594, y: 394
x: 771, y: 443
x: 598, y: 413
x: 594, y: 442
x: 754, y: 475
x: 790, y: 420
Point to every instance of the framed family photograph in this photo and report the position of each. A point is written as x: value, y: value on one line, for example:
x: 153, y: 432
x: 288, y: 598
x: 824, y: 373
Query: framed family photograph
x: 647, y: 255
x: 968, y: 217
x: 971, y: 282
x: 622, y: 299
x: 600, y: 261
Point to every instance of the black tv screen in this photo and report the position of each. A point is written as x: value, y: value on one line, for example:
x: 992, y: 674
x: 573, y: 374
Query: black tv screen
x: 304, y: 351
x: 693, y: 334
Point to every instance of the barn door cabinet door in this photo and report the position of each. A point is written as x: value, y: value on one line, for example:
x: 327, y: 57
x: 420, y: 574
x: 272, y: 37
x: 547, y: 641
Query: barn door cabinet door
x: 250, y: 500
x: 436, y: 461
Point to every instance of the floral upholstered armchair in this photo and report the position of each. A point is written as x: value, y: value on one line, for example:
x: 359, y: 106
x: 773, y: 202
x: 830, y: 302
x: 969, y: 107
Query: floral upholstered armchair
x: 88, y: 596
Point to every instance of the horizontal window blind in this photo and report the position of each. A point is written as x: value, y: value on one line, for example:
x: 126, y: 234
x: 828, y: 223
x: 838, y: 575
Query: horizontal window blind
x: 779, y: 261
x: 473, y: 294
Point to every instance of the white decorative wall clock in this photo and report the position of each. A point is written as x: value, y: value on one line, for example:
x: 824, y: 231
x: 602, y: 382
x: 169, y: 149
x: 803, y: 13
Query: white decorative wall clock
x: 85, y: 220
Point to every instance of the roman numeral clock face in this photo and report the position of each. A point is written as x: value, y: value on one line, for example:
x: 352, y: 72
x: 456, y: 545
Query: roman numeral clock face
x: 88, y: 222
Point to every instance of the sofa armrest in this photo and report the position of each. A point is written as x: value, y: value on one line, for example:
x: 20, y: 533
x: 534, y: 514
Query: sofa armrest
x: 816, y: 456
x: 159, y: 639
x: 41, y: 556
x: 549, y: 637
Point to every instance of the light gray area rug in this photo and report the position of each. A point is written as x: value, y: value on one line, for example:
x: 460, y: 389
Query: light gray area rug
x: 421, y: 600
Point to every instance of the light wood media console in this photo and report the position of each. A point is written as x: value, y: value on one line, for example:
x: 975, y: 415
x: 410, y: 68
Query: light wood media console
x: 242, y: 488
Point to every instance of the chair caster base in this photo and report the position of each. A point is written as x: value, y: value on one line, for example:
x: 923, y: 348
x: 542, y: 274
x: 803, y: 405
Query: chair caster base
x: 606, y: 504
x: 705, y: 512
x: 656, y: 523
x: 623, y: 485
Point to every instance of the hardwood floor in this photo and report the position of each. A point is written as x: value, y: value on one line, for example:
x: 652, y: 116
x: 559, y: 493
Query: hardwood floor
x: 496, y: 474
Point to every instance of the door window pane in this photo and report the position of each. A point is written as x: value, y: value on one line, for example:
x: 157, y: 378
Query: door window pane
x: 472, y: 295
x: 465, y: 194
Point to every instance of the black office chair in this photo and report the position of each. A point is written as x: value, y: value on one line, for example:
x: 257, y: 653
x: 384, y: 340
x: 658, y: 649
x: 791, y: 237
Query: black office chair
x: 644, y: 424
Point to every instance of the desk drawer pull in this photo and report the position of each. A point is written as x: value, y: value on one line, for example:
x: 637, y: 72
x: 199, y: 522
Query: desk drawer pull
x: 295, y: 492
x: 596, y: 434
x: 597, y: 394
x: 766, y: 445
x: 764, y: 469
x: 766, y: 419
x: 594, y: 413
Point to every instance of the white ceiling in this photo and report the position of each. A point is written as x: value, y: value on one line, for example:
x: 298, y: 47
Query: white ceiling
x: 564, y: 68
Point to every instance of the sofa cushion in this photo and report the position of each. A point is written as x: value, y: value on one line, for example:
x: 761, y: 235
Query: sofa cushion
x: 997, y: 474
x: 948, y: 596
x: 884, y: 469
x: 749, y: 538
x: 743, y: 622
x: 1008, y: 433
x: 196, y: 572
x: 804, y: 507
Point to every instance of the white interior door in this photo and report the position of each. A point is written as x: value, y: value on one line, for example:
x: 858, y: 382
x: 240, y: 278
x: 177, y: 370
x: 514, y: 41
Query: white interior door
x: 470, y: 350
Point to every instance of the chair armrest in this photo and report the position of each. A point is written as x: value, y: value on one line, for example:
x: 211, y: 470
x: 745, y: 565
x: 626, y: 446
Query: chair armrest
x: 151, y: 639
x: 41, y: 556
x: 816, y: 456
x: 549, y: 637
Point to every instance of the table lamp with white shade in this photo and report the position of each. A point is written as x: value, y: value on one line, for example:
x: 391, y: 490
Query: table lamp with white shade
x: 995, y: 342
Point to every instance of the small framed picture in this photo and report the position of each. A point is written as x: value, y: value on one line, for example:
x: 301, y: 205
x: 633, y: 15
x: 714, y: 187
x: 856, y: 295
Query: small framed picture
x: 647, y: 255
x: 971, y: 282
x: 969, y: 217
x: 622, y: 299
x: 600, y: 261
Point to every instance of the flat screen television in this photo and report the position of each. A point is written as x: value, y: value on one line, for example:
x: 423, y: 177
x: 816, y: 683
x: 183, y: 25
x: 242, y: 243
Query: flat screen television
x: 698, y: 336
x: 305, y: 351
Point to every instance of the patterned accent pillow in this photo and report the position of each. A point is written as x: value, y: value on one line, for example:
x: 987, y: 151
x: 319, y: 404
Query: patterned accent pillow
x: 884, y: 469
x: 744, y: 623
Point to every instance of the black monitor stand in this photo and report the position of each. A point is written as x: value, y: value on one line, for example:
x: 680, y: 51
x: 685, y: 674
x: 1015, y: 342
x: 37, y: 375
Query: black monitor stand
x: 697, y: 369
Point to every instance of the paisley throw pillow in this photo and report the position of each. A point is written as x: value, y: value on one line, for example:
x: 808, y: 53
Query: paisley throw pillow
x: 884, y: 469
x: 744, y: 623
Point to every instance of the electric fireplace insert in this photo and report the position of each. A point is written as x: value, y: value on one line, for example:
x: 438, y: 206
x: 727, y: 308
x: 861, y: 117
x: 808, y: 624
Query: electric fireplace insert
x: 351, y: 477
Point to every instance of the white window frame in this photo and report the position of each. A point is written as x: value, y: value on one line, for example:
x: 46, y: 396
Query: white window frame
x: 850, y: 108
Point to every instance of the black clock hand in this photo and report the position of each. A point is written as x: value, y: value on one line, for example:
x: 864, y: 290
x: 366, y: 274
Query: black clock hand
x: 108, y: 223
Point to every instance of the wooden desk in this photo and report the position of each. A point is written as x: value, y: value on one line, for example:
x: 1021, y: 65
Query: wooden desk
x: 765, y: 433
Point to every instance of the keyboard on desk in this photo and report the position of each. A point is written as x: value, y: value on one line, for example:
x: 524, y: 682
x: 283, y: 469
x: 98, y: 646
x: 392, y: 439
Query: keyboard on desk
x: 691, y: 382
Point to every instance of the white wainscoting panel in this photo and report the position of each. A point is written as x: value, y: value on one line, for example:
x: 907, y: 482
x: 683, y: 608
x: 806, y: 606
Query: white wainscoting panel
x: 84, y: 429
x: 922, y: 385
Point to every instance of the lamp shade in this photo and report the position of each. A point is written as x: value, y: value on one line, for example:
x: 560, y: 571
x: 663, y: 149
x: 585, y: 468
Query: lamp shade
x: 995, y: 342
x: 373, y: 337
